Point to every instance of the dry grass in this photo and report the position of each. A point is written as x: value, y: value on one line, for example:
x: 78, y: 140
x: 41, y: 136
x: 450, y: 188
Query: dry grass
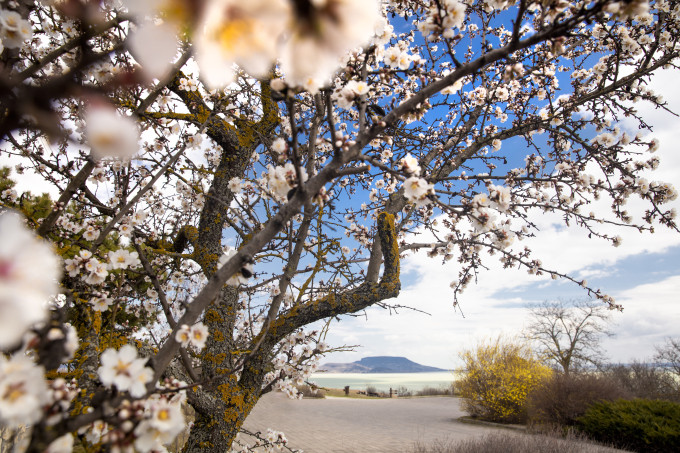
x: 516, y: 443
x: 436, y: 391
x: 311, y: 392
x: 401, y: 392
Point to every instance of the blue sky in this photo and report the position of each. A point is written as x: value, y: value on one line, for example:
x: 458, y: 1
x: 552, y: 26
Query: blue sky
x: 643, y: 274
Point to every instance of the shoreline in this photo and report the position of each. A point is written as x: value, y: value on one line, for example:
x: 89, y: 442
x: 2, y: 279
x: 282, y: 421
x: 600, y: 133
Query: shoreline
x: 329, y: 392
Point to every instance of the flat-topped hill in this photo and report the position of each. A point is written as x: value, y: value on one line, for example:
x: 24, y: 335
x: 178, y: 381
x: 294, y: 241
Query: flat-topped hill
x: 379, y: 364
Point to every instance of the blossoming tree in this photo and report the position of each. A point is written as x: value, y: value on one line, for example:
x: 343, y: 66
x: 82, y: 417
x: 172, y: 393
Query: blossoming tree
x: 226, y: 173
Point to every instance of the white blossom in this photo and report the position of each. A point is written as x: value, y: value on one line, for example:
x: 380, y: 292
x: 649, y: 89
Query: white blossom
x: 90, y: 234
x: 482, y: 219
x: 480, y: 200
x: 154, y: 45
x: 396, y: 58
x: 279, y: 145
x: 125, y: 370
x: 198, y: 335
x: 96, y: 431
x: 163, y: 422
x: 499, y: 197
x: 281, y: 179
x: 98, y: 272
x: 14, y: 30
x: 239, y: 277
x: 101, y: 304
x: 195, y: 335
x: 418, y: 191
x: 502, y: 94
x: 453, y: 88
x: 183, y: 335
x: 410, y: 165
x: 123, y: 259
x: 503, y: 238
x: 138, y: 218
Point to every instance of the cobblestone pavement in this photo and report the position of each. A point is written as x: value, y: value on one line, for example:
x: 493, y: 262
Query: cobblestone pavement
x: 348, y: 425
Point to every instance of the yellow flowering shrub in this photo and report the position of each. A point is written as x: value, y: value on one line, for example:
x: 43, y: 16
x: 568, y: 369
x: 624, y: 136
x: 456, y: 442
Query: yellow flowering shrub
x: 499, y: 376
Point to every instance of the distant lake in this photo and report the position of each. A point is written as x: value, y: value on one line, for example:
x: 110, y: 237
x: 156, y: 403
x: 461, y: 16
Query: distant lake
x: 384, y: 381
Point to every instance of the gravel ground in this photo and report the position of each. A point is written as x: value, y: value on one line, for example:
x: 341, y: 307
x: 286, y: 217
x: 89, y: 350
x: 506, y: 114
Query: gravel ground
x: 347, y: 425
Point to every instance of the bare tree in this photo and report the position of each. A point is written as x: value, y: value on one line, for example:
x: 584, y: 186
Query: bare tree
x: 644, y: 380
x: 669, y: 354
x: 568, y: 334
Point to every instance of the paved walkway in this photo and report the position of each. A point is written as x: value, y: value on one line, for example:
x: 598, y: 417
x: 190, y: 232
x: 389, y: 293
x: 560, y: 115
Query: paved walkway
x: 349, y: 425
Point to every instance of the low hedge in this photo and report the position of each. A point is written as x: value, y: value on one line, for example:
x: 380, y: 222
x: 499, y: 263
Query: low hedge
x: 637, y: 425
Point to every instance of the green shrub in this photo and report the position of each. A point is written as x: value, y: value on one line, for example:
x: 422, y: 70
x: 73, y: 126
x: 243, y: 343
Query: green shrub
x: 638, y: 425
x: 560, y: 400
x: 498, y: 377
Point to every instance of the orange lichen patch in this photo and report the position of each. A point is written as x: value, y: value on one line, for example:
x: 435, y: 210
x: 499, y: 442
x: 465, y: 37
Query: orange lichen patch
x: 238, y: 401
x: 216, y: 359
x: 206, y: 259
x: 218, y: 335
x: 212, y: 316
x: 97, y: 322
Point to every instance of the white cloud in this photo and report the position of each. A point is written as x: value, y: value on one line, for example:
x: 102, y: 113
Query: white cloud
x: 651, y: 313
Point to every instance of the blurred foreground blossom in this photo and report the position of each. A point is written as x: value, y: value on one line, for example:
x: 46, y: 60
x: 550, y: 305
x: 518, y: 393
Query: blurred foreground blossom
x: 165, y: 420
x: 245, y: 33
x: 14, y: 29
x: 29, y: 274
x: 309, y: 38
x: 22, y: 391
x: 154, y: 43
x: 63, y: 444
x: 111, y: 134
x: 321, y: 34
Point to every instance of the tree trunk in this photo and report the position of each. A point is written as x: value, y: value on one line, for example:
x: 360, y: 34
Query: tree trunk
x: 219, y: 416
